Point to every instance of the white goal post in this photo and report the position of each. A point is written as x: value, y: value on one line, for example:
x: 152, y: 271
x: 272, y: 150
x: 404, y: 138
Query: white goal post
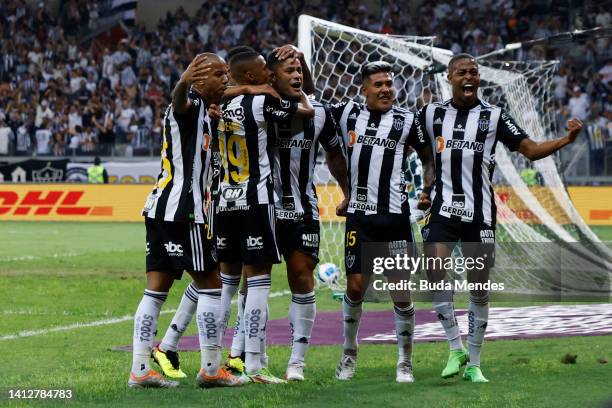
x: 526, y: 214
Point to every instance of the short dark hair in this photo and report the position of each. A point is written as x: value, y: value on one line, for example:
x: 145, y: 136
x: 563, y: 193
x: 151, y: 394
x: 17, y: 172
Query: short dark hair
x: 272, y: 60
x: 237, y: 50
x: 375, y: 67
x: 244, y: 56
x: 457, y: 57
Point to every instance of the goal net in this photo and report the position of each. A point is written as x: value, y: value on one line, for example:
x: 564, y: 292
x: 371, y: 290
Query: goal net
x: 545, y: 246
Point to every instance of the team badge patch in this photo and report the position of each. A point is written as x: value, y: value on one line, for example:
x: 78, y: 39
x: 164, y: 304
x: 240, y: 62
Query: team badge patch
x: 398, y: 124
x: 350, y: 261
x: 483, y: 125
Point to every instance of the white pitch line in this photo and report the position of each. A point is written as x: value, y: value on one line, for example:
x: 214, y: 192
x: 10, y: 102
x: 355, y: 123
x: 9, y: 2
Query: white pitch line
x: 31, y: 333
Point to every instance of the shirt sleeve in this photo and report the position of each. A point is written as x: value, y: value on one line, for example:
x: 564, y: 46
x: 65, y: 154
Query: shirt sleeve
x: 278, y: 110
x: 337, y: 109
x: 329, y: 137
x: 509, y: 133
x: 416, y: 137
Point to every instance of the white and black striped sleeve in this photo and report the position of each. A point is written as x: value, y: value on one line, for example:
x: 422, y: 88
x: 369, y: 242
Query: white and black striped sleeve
x: 509, y: 133
x: 278, y: 110
x: 189, y: 118
x: 337, y: 109
x: 329, y: 136
x: 416, y: 137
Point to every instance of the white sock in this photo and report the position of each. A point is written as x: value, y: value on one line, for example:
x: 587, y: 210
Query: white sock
x: 181, y: 318
x: 238, y: 340
x: 446, y: 316
x: 209, y: 302
x: 145, y: 324
x: 478, y: 318
x: 264, y: 346
x: 302, y: 312
x: 228, y: 290
x: 255, y: 318
x: 351, y: 313
x: 404, y: 329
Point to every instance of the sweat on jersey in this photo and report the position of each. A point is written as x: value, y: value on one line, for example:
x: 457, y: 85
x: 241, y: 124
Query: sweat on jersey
x: 464, y: 143
x: 180, y: 192
x: 375, y: 144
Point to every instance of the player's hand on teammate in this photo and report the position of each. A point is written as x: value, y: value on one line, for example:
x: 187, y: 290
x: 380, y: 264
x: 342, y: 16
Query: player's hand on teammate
x: 574, y: 126
x: 424, y: 202
x: 198, y: 70
x: 214, y: 111
x: 288, y: 51
x: 263, y: 89
x: 342, y: 207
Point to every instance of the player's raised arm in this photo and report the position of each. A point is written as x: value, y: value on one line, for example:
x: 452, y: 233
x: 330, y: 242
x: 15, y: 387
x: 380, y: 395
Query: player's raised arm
x: 535, y: 151
x: 265, y: 89
x: 197, y: 71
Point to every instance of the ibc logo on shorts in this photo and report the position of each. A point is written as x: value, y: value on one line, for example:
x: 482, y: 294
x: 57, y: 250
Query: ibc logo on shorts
x: 254, y: 242
x: 174, y: 249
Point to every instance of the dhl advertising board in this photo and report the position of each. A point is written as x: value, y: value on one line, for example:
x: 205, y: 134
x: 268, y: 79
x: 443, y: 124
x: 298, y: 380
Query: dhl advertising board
x: 123, y: 202
x: 72, y: 202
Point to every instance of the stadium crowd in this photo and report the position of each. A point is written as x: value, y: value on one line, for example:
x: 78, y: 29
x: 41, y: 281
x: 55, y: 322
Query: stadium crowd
x: 60, y: 96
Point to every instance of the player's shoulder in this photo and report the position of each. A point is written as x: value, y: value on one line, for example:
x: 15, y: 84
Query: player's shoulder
x: 489, y: 106
x: 398, y: 110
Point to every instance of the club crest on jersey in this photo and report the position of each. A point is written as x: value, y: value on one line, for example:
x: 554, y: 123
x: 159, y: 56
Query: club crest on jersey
x: 483, y: 125
x: 350, y: 261
x: 439, y: 144
x: 398, y: 124
x: 285, y: 104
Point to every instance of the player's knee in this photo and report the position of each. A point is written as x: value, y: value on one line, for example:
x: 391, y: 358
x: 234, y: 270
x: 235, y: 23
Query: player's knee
x: 301, y: 281
x: 159, y: 281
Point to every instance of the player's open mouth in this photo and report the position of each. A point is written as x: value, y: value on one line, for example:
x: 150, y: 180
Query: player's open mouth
x: 296, y: 85
x: 468, y: 89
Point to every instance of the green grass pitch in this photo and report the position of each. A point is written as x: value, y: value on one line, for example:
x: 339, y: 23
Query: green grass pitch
x: 59, y: 274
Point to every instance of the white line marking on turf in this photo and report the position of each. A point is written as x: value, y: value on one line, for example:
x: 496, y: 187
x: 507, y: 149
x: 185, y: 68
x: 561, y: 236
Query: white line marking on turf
x: 31, y: 333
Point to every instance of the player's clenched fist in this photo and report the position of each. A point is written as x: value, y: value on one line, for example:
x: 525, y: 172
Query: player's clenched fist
x: 574, y: 126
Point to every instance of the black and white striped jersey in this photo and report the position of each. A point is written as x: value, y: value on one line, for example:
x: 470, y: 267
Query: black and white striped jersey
x: 465, y: 141
x: 179, y: 194
x: 295, y: 154
x: 375, y: 144
x: 246, y: 149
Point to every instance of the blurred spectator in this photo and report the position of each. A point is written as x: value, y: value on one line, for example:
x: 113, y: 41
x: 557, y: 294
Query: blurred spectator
x: 44, y: 139
x: 579, y: 104
x: 6, y: 137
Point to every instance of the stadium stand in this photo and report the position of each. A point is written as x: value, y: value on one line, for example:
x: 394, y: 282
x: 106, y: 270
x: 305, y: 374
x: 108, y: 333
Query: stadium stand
x: 68, y: 88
